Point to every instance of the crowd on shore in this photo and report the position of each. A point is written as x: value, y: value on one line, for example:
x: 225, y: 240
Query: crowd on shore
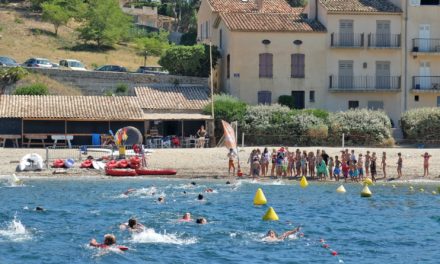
x: 349, y: 165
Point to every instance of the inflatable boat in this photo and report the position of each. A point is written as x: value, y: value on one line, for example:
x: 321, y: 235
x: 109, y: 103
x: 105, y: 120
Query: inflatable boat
x: 145, y: 171
x: 120, y: 172
x: 30, y: 162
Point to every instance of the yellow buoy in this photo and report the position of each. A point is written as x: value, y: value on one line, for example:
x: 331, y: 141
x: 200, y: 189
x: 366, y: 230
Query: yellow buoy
x: 411, y: 188
x: 368, y: 181
x: 303, y: 183
x: 422, y: 190
x: 270, y: 215
x: 341, y: 189
x: 434, y: 192
x: 259, y: 198
x: 394, y: 186
x: 366, y: 192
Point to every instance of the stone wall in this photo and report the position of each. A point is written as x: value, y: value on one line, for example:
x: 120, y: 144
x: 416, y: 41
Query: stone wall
x: 98, y: 83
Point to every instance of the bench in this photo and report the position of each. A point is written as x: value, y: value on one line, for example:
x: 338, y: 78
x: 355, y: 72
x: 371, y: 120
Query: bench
x: 66, y: 138
x: 13, y: 138
x: 31, y: 137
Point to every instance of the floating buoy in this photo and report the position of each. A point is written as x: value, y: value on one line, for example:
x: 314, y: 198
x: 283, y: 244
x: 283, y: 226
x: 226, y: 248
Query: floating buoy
x: 394, y: 186
x: 368, y: 181
x: 259, y: 198
x: 270, y: 215
x: 434, y: 192
x: 366, y: 192
x: 341, y: 189
x: 303, y: 183
x: 422, y: 190
x: 334, y: 253
x: 411, y: 188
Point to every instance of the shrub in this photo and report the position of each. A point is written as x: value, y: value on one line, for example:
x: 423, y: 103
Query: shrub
x: 421, y: 124
x: 121, y: 88
x: 227, y: 107
x: 360, y: 126
x: 18, y: 20
x: 33, y: 89
x: 287, y: 100
x: 319, y: 113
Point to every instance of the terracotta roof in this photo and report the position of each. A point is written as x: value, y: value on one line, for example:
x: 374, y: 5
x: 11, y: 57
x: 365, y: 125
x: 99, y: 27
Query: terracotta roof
x: 360, y: 6
x: 176, y: 116
x: 250, y: 6
x: 70, y: 107
x: 270, y: 22
x: 172, y: 97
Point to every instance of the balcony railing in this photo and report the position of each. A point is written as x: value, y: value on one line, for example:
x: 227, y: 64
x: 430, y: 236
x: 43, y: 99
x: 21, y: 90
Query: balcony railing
x: 363, y: 83
x: 349, y: 40
x: 426, y: 83
x: 426, y: 45
x: 384, y: 40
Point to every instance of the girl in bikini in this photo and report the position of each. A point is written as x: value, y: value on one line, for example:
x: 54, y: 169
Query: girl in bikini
x: 426, y: 158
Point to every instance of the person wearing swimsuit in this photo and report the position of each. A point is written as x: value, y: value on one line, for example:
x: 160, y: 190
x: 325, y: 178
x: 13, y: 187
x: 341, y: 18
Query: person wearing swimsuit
x: 426, y: 158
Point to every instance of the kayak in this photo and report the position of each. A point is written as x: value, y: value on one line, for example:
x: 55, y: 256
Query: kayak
x: 120, y: 172
x: 144, y: 171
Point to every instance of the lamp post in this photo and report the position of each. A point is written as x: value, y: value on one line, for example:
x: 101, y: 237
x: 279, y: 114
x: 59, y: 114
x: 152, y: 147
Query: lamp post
x: 145, y: 58
x: 212, y: 80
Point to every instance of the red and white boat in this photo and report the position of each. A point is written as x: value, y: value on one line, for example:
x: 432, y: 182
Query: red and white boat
x: 145, y: 171
x: 120, y: 172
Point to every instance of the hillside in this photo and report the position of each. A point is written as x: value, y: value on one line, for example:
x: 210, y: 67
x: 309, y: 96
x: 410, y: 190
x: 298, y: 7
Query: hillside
x: 24, y: 35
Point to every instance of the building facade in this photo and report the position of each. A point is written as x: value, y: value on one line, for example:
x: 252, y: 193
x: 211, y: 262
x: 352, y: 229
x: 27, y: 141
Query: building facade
x: 336, y: 55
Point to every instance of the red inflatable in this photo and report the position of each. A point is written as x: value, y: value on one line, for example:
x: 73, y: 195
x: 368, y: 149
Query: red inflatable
x: 120, y: 172
x: 87, y: 164
x: 58, y: 163
x: 144, y: 171
x: 122, y: 164
x: 111, y: 164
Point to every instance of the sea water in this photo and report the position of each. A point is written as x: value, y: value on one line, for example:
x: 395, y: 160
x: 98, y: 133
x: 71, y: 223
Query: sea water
x: 396, y: 225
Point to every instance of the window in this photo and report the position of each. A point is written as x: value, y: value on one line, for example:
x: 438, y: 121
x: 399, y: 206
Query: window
x: 429, y: 2
x: 416, y: 98
x: 228, y: 66
x: 201, y: 31
x: 297, y: 65
x: 438, y: 101
x: 220, y: 39
x: 353, y: 104
x: 206, y: 30
x: 375, y: 105
x: 264, y: 97
x: 266, y: 65
x: 312, y: 96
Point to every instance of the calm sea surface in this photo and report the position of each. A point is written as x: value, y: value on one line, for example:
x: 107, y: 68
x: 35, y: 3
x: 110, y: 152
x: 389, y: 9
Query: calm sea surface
x: 394, y: 226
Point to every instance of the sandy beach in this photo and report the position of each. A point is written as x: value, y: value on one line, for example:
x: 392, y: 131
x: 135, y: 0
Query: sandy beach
x: 212, y: 162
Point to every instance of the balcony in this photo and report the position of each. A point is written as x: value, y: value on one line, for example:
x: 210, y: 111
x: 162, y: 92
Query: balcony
x: 364, y: 83
x: 424, y: 45
x: 347, y: 40
x: 426, y: 84
x: 384, y: 41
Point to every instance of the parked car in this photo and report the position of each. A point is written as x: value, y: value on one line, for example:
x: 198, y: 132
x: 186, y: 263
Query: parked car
x: 152, y: 70
x: 75, y: 65
x: 9, y: 62
x: 38, y: 62
x: 111, y: 68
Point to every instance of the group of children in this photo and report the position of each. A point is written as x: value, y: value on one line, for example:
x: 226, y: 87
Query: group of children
x: 349, y: 166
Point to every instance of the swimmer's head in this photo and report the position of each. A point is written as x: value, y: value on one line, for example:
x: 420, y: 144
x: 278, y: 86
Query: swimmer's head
x: 132, y: 223
x: 187, y: 216
x: 228, y: 182
x: 193, y: 183
x: 201, y: 221
x: 184, y: 192
x: 161, y: 199
x: 271, y: 234
x: 38, y: 208
x: 109, y: 240
x: 200, y: 197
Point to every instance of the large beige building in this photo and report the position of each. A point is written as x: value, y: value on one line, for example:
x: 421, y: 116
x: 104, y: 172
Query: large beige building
x: 332, y: 54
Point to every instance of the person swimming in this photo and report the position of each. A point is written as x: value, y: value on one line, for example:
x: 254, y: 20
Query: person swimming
x: 209, y: 190
x: 161, y: 199
x: 186, y: 218
x: 272, y: 235
x: 39, y: 208
x: 109, y: 241
x: 193, y: 183
x: 201, y: 221
x: 200, y: 197
x: 129, y: 191
x: 132, y: 226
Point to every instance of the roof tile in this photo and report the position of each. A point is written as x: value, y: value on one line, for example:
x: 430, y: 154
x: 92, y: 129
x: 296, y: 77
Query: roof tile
x: 250, y: 6
x: 360, y: 6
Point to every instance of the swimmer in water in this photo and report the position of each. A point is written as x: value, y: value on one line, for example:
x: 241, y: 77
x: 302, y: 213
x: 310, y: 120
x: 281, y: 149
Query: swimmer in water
x: 193, y: 183
x: 132, y: 226
x: 201, y: 221
x: 209, y: 190
x: 39, y: 208
x: 186, y: 217
x: 228, y: 182
x: 109, y: 240
x: 200, y: 197
x: 161, y: 199
x: 129, y: 191
x: 272, y: 236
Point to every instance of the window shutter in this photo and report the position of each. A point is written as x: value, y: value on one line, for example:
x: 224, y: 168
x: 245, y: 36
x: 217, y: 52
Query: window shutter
x: 228, y: 66
x: 301, y: 65
x: 297, y: 65
x: 269, y: 65
x: 261, y: 64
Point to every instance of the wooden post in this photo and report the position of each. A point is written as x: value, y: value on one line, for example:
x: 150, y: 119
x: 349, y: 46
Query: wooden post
x: 22, y: 132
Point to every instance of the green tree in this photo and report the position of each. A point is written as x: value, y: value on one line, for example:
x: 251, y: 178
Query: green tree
x: 55, y: 14
x: 297, y: 3
x: 104, y: 22
x: 189, y: 60
x: 10, y: 76
x: 33, y: 89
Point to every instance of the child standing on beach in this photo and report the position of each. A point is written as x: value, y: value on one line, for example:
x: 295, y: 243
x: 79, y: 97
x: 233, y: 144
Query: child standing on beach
x: 256, y: 166
x: 373, y: 166
x: 311, y: 164
x: 360, y: 167
x: 231, y: 156
x: 426, y: 157
x: 331, y: 164
x: 264, y: 160
x: 367, y: 163
x: 337, y: 171
x: 304, y: 163
x: 399, y: 165
x: 384, y: 164
x: 274, y: 162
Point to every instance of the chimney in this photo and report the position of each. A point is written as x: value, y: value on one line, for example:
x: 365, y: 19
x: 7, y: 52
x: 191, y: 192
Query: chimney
x: 260, y: 4
x: 312, y: 9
